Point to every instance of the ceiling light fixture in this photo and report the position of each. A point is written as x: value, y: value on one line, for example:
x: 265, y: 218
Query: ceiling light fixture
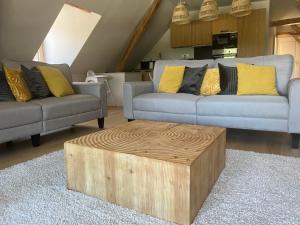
x: 209, y: 10
x: 240, y: 8
x: 181, y: 14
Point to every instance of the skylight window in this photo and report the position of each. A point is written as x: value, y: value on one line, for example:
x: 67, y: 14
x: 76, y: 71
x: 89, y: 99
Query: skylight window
x: 67, y: 35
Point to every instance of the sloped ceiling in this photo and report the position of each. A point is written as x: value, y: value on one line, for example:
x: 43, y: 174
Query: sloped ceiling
x: 24, y: 25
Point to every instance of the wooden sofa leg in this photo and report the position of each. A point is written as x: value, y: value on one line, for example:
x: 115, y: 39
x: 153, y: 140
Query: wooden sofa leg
x: 35, y: 140
x: 101, y: 123
x: 130, y: 120
x: 295, y: 141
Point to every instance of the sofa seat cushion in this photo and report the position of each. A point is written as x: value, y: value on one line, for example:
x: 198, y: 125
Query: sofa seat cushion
x: 179, y: 103
x: 54, y: 107
x: 15, y: 114
x: 258, y: 106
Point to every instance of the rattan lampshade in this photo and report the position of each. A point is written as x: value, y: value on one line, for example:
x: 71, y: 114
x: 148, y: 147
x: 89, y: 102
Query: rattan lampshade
x: 208, y: 10
x: 181, y: 14
x: 241, y: 8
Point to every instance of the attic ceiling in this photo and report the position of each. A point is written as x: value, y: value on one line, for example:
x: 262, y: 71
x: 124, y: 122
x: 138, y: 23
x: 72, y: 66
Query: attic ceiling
x: 24, y: 25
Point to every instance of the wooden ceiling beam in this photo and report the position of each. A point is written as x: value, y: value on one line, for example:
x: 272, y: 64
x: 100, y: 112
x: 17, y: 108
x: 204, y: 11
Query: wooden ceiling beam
x: 296, y: 28
x: 290, y: 21
x: 137, y: 34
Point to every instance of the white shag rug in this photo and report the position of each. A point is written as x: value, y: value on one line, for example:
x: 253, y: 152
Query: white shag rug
x: 253, y: 189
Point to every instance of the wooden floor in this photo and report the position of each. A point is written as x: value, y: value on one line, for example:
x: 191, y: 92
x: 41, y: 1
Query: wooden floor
x: 258, y: 141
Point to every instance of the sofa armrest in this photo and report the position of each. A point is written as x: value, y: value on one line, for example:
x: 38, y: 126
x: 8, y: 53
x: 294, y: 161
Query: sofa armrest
x: 294, y: 105
x: 132, y: 89
x: 95, y: 89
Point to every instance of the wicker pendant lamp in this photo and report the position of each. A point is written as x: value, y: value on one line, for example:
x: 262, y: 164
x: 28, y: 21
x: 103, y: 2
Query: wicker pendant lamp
x: 208, y: 10
x: 181, y: 14
x: 240, y: 8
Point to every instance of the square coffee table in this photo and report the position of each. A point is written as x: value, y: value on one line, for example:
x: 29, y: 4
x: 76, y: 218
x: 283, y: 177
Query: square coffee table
x: 161, y: 169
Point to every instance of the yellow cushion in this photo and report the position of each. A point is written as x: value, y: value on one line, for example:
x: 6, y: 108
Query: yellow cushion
x: 211, y: 82
x: 17, y: 85
x: 256, y: 80
x: 58, y: 85
x: 171, y: 79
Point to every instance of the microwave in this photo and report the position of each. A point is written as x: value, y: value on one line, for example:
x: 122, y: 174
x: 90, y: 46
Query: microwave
x: 225, y: 40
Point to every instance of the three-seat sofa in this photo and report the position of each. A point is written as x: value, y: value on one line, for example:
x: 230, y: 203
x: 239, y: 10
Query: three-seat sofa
x: 38, y: 116
x: 256, y: 112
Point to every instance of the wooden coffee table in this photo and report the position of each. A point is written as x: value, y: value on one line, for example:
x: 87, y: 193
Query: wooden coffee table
x: 161, y: 169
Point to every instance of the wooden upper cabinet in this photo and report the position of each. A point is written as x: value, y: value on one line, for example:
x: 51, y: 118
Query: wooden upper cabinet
x: 201, y: 33
x: 181, y: 35
x: 252, y: 34
x: 225, y: 23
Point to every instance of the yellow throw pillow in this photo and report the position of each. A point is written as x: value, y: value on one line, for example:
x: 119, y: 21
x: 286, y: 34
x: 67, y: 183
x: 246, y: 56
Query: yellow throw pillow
x: 171, y: 79
x: 211, y: 82
x: 58, y: 85
x: 256, y: 80
x: 17, y: 85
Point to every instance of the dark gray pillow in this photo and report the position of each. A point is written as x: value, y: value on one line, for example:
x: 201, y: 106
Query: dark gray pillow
x: 192, y: 80
x: 228, y: 80
x: 35, y: 82
x: 5, y: 92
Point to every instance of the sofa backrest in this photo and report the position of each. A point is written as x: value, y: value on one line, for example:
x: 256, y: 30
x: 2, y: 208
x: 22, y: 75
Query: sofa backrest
x: 64, y: 68
x: 160, y: 65
x: 283, y: 63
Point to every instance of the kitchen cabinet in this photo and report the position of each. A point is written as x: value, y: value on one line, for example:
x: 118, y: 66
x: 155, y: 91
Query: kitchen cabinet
x: 225, y: 23
x: 201, y: 33
x: 181, y: 35
x: 252, y: 34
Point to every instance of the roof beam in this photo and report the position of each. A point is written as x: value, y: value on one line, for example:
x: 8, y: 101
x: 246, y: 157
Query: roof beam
x: 290, y: 21
x: 137, y: 34
x: 296, y: 28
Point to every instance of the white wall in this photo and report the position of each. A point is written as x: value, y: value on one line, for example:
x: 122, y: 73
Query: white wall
x: 286, y: 44
x: 163, y: 46
x: 68, y: 34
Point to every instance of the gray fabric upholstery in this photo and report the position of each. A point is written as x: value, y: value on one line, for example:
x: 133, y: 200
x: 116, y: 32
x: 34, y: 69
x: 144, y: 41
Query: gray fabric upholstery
x: 265, y: 124
x: 168, y: 117
x: 257, y: 106
x: 19, y: 120
x: 283, y: 63
x: 96, y: 89
x: 64, y: 68
x: 270, y: 113
x: 54, y: 107
x: 132, y: 89
x: 22, y: 131
x: 54, y: 124
x: 294, y: 103
x: 166, y: 103
x: 14, y: 114
x: 160, y: 65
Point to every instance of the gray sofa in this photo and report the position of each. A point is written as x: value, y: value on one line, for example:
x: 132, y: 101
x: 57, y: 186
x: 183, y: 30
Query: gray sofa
x: 268, y: 113
x: 38, y: 116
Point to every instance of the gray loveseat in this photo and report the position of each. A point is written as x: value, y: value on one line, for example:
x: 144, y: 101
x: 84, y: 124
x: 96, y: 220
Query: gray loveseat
x: 38, y: 116
x: 268, y: 113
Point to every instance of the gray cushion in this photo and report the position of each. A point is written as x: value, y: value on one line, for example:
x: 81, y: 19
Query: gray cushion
x: 64, y: 68
x: 67, y: 106
x: 160, y: 65
x: 244, y: 106
x: 179, y: 103
x: 14, y: 114
x: 283, y: 63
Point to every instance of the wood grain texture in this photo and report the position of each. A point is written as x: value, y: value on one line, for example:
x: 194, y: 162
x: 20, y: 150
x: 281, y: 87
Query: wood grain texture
x: 181, y: 35
x: 137, y: 34
x: 161, y: 169
x: 201, y: 33
x: 225, y: 23
x: 252, y: 34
